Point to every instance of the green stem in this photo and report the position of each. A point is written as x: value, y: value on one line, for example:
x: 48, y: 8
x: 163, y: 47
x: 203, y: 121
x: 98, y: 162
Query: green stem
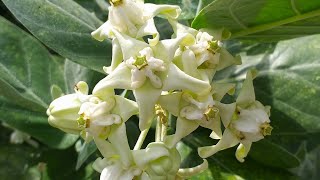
x: 268, y: 26
x: 141, y: 139
x: 163, y: 132
x: 158, y: 130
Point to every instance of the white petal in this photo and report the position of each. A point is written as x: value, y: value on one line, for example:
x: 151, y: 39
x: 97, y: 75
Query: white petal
x: 246, y: 95
x: 169, y: 11
x: 111, y: 172
x: 138, y: 78
x: 183, y: 128
x: 116, y: 55
x: 178, y: 80
x: 99, y: 164
x: 242, y: 151
x: 228, y: 140
x: 154, y: 79
x: 181, y: 29
x: 188, y: 172
x: 118, y: 138
x: 189, y: 63
x: 103, y: 32
x: 221, y: 89
x: 171, y: 102
x: 130, y: 47
x: 226, y: 112
x: 125, y: 108
x: 106, y: 148
x: 226, y: 59
x: 146, y: 97
x: 143, y: 157
x: 191, y: 113
x: 251, y: 120
x: 107, y: 120
x: 149, y: 28
x: 119, y: 78
x: 165, y: 49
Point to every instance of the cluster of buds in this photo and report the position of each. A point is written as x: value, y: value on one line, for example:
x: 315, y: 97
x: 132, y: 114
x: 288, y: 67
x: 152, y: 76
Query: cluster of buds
x: 167, y: 77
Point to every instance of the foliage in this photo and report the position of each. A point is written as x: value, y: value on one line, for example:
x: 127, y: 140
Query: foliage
x: 56, y: 48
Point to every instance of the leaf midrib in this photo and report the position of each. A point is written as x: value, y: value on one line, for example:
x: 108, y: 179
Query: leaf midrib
x: 27, y: 89
x: 267, y: 26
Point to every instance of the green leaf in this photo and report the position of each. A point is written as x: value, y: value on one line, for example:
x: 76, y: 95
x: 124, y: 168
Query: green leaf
x: 224, y: 165
x: 27, y: 72
x: 36, y: 125
x: 15, y: 159
x: 309, y: 168
x: 21, y: 74
x: 269, y: 20
x: 65, y: 27
x: 87, y: 149
x: 98, y: 7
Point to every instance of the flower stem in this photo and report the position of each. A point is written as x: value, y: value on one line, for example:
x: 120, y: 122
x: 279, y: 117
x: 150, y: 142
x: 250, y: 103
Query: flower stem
x: 158, y: 130
x: 141, y: 139
x: 163, y: 131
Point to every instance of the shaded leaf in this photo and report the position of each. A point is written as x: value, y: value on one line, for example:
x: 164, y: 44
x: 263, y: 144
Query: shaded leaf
x: 269, y: 20
x: 87, y: 149
x: 64, y: 26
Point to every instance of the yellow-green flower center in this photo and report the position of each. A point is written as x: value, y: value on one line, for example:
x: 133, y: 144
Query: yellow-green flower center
x: 141, y: 62
x: 83, y: 122
x: 115, y: 2
x: 211, y: 113
x: 213, y: 46
x: 266, y: 129
x: 161, y: 113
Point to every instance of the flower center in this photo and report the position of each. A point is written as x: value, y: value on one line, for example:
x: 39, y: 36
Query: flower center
x: 161, y: 113
x: 83, y: 121
x: 211, y: 113
x: 266, y: 129
x: 115, y: 2
x: 140, y: 62
x: 213, y: 46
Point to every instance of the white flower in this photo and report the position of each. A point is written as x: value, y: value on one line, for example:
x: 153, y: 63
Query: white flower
x: 119, y: 162
x: 63, y: 111
x: 89, y: 115
x: 148, y: 71
x: 144, y: 66
x: 249, y: 123
x: 253, y: 124
x: 134, y: 18
x: 206, y: 50
x: 194, y: 111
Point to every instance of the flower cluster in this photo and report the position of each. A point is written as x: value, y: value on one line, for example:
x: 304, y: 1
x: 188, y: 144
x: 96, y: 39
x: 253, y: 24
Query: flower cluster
x: 167, y: 77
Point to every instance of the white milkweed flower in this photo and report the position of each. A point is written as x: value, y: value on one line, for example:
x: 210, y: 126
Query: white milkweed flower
x: 145, y: 65
x: 156, y: 161
x: 88, y: 115
x: 148, y: 70
x: 194, y: 111
x: 250, y: 123
x: 134, y: 18
x: 63, y: 111
x: 206, y: 51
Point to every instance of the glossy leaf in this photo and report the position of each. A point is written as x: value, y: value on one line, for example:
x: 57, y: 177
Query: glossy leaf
x: 269, y: 20
x: 65, y: 27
